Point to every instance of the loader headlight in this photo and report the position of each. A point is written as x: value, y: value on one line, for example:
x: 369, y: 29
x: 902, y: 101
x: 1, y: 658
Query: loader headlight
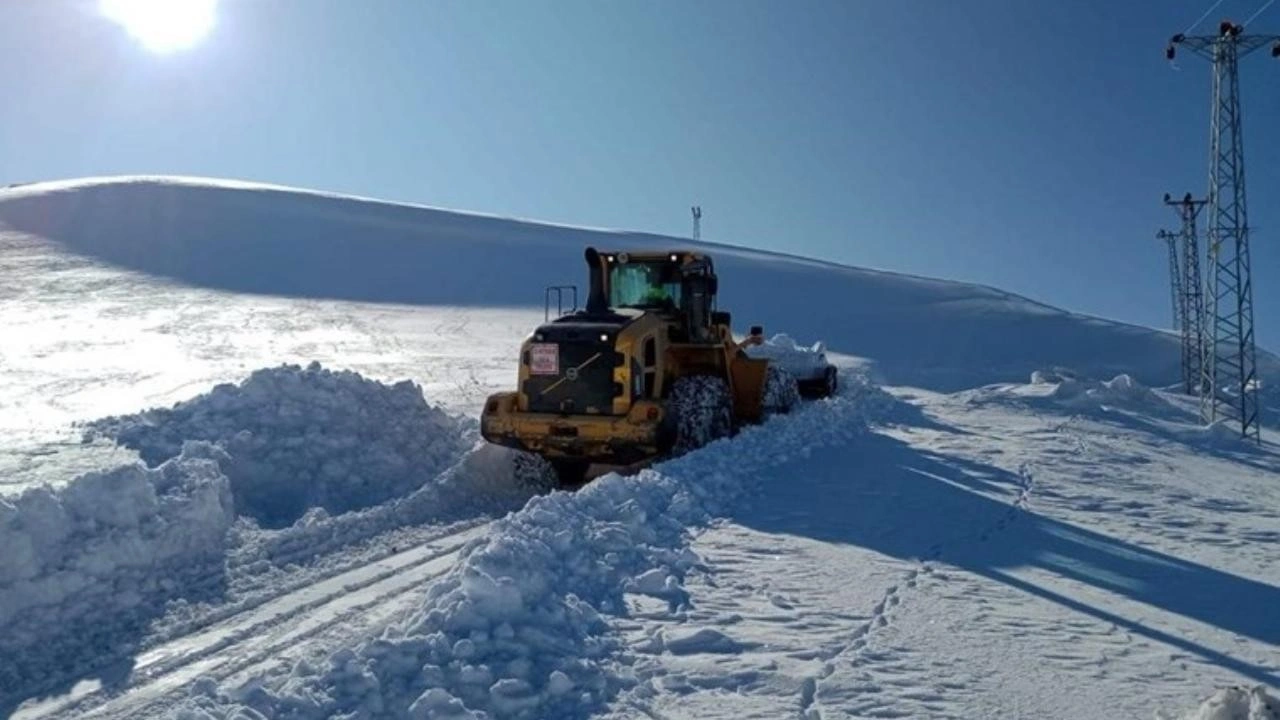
x: 604, y: 337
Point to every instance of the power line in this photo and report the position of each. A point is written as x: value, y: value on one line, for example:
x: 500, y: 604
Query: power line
x: 1259, y: 12
x: 1200, y: 19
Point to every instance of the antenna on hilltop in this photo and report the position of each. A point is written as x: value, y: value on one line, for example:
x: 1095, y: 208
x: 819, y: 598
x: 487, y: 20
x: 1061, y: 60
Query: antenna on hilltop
x: 1230, y: 388
x: 697, y: 222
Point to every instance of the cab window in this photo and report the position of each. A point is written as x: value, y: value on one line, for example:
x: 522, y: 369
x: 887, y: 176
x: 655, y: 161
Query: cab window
x: 644, y: 285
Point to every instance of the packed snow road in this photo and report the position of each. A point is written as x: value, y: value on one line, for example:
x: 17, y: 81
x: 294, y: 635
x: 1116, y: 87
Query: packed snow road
x: 309, y: 622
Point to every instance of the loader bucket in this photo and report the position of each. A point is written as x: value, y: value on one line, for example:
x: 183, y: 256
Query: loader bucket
x: 748, y: 376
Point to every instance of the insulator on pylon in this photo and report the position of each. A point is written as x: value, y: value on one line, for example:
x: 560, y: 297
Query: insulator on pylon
x: 1170, y: 53
x: 1224, y: 28
x: 1275, y: 50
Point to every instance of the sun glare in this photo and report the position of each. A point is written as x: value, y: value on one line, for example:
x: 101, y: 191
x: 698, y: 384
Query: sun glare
x: 162, y: 25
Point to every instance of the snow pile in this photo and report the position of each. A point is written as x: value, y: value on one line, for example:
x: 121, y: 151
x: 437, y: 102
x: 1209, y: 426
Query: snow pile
x: 1237, y: 703
x: 1121, y: 391
x: 478, y: 485
x: 305, y: 438
x: 86, y: 565
x: 802, y: 362
x: 518, y: 628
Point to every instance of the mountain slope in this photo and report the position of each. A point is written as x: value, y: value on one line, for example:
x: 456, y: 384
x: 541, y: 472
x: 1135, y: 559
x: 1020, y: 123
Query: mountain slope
x: 271, y: 240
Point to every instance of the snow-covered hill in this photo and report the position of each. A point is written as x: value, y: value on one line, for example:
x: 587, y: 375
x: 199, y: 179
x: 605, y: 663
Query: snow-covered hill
x: 977, y: 539
x: 261, y: 239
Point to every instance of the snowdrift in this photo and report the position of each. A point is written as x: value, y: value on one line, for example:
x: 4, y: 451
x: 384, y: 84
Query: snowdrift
x: 1084, y: 394
x: 518, y: 628
x: 85, y: 566
x: 262, y: 239
x: 300, y: 438
x: 1235, y: 703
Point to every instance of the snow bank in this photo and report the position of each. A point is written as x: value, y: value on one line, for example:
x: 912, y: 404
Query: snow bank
x: 1237, y: 703
x: 305, y: 438
x: 518, y: 628
x: 802, y: 362
x: 1121, y: 391
x: 85, y: 565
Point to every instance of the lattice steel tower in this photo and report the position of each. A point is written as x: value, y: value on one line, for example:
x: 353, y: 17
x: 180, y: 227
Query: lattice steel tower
x: 1230, y: 372
x: 1175, y: 276
x: 1187, y: 284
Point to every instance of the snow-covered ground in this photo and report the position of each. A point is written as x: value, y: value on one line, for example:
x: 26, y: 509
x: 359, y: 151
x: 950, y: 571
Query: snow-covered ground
x: 1016, y: 525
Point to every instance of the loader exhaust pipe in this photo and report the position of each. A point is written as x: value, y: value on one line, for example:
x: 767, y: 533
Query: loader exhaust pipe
x: 597, y: 303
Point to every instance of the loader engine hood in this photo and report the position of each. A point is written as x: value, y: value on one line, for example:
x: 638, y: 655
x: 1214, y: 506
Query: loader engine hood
x: 568, y: 364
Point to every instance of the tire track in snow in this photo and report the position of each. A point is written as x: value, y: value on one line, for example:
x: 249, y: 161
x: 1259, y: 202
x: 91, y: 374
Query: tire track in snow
x: 226, y: 612
x: 260, y: 633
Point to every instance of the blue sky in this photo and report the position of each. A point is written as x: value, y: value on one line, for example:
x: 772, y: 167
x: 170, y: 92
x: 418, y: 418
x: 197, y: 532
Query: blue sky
x: 1024, y: 145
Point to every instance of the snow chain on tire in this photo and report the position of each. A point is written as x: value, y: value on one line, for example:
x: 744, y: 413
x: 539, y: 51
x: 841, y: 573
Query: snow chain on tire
x: 701, y: 410
x: 534, y: 473
x: 781, y: 391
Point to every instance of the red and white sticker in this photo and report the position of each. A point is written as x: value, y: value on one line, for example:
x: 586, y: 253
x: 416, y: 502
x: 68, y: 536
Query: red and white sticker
x: 544, y: 359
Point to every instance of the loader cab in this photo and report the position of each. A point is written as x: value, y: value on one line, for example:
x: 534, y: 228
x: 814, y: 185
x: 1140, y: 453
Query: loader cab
x: 678, y: 285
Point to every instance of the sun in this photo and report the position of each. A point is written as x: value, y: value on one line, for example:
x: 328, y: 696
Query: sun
x: 162, y: 25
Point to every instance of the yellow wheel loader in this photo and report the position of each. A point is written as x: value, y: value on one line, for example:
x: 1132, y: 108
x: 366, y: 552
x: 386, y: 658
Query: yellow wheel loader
x: 648, y: 369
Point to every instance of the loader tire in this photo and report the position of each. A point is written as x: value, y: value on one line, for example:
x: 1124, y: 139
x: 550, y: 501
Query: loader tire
x: 701, y: 410
x: 781, y: 391
x: 534, y: 473
x: 831, y: 383
x: 570, y: 473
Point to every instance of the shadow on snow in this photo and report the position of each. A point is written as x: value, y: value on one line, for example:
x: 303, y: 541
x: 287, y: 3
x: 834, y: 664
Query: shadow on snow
x: 897, y: 500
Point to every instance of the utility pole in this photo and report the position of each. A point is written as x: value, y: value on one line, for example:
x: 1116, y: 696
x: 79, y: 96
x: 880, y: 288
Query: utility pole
x: 697, y: 222
x: 1190, y: 290
x: 1230, y: 370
